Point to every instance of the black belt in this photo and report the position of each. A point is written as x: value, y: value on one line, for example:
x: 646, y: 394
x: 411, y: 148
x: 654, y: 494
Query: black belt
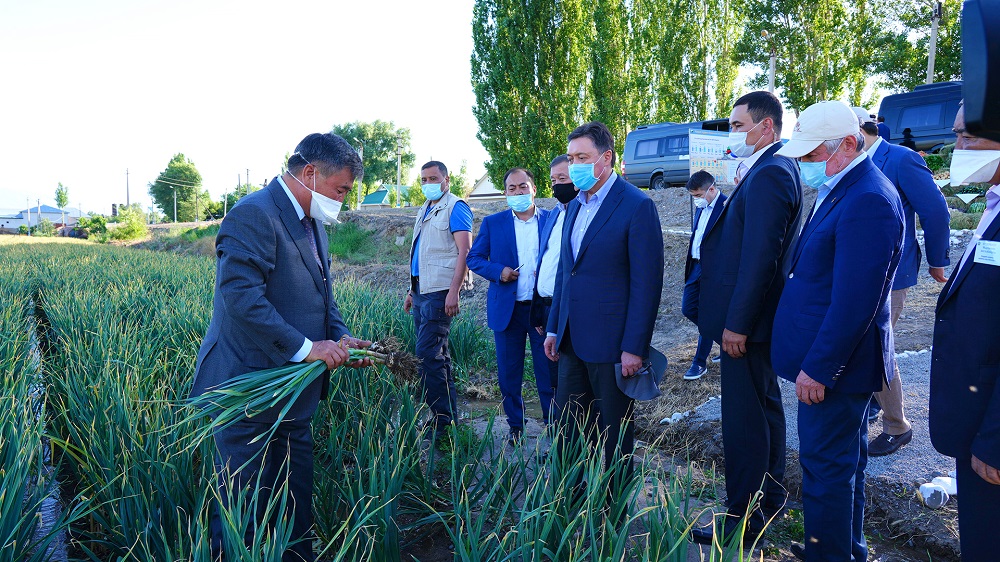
x: 523, y: 302
x: 547, y: 301
x: 695, y: 260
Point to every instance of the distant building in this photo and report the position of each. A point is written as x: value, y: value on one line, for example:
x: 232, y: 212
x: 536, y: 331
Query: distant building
x: 31, y: 217
x: 484, y: 190
x: 379, y: 199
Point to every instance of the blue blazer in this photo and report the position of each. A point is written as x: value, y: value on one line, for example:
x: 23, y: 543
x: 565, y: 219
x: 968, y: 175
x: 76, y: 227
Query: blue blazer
x: 493, y: 249
x: 269, y: 296
x: 915, y: 184
x: 965, y: 367
x: 609, y: 295
x: 712, y: 219
x: 833, y: 317
x: 744, y: 255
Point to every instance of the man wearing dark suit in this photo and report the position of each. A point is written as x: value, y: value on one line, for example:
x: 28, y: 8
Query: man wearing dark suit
x: 549, y: 248
x: 273, y: 305
x: 709, y: 202
x: 505, y: 252
x: 920, y: 196
x: 832, y: 334
x: 742, y: 264
x: 883, y: 129
x: 965, y: 367
x: 607, y: 294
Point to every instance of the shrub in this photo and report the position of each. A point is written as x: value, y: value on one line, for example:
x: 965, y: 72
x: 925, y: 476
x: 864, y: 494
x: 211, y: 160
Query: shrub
x: 964, y: 221
x: 131, y: 225
x: 45, y: 228
x: 935, y: 162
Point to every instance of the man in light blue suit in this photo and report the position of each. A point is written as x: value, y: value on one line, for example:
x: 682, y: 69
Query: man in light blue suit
x: 505, y: 253
x: 273, y: 305
x: 607, y: 295
x: 921, y: 197
x: 832, y: 335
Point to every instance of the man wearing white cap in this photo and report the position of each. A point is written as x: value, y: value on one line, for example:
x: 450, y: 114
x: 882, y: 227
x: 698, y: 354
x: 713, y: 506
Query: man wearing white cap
x: 832, y: 334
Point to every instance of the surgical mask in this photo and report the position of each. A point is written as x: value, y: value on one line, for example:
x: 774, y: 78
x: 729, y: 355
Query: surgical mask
x: 519, y: 203
x: 973, y: 166
x: 814, y: 173
x: 321, y: 207
x: 700, y: 202
x: 583, y: 176
x: 432, y: 191
x: 738, y: 146
x: 564, y: 192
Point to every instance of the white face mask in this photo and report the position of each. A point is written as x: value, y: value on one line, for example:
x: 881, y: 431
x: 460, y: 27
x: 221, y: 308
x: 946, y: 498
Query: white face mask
x: 738, y: 143
x: 973, y: 166
x: 701, y: 202
x: 321, y: 207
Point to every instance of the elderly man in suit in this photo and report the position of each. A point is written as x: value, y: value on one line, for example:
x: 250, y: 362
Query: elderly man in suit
x: 505, y: 252
x: 549, y: 248
x: 709, y: 202
x: 607, y: 294
x: 920, y: 196
x: 832, y: 335
x: 273, y: 305
x: 743, y: 260
x: 965, y: 367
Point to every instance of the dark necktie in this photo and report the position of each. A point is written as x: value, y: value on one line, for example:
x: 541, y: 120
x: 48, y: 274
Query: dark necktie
x: 307, y: 223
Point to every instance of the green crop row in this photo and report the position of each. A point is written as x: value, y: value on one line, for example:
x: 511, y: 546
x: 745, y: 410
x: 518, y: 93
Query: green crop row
x: 118, y: 333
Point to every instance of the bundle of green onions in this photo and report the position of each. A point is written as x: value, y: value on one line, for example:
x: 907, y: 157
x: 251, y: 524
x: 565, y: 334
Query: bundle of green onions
x: 250, y: 394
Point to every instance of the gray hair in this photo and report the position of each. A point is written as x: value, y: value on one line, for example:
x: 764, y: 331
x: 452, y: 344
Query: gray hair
x: 329, y: 153
x: 833, y: 144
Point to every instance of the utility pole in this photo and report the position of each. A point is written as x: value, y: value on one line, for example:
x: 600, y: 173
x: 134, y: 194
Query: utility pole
x: 774, y: 59
x: 197, y: 209
x: 127, y: 200
x: 932, y: 45
x: 175, y: 204
x: 361, y: 155
x: 399, y: 171
x: 27, y: 203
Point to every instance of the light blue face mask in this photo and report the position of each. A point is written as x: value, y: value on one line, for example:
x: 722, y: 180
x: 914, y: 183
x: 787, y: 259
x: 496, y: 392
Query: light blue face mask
x: 519, y: 203
x: 432, y: 191
x: 582, y: 176
x: 814, y: 173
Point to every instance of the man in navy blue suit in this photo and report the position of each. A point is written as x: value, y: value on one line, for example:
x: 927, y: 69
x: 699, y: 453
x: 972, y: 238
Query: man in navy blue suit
x: 832, y: 335
x: 743, y: 258
x: 709, y: 202
x: 965, y: 368
x: 607, y: 295
x: 505, y: 252
x: 549, y: 248
x: 273, y: 306
x: 920, y: 196
x: 883, y: 129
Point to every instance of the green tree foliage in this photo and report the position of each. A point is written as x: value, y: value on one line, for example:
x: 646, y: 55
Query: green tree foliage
x: 616, y: 79
x: 415, y: 195
x: 379, y: 139
x: 45, y: 228
x: 231, y: 198
x: 459, y: 184
x: 93, y: 224
x: 903, y: 64
x: 530, y: 63
x: 181, y: 176
x: 131, y: 224
x: 62, y: 196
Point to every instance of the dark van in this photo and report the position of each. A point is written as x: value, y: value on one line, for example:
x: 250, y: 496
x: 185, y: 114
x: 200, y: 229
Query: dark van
x: 656, y: 156
x: 923, y: 117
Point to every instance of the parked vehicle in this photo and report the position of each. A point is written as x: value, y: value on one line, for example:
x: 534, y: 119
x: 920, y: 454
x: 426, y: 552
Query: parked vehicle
x: 923, y: 118
x: 656, y: 156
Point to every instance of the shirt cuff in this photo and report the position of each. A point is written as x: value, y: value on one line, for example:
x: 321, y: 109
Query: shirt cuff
x: 303, y: 352
x: 550, y: 334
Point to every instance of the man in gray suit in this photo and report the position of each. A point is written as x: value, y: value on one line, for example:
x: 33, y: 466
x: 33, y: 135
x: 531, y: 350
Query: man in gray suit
x: 273, y: 306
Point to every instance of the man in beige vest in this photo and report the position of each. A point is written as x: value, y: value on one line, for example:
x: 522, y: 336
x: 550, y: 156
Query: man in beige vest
x: 442, y: 236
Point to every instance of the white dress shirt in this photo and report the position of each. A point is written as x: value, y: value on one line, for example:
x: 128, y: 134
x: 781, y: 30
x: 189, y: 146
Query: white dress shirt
x: 699, y: 231
x: 550, y: 255
x: 526, y: 237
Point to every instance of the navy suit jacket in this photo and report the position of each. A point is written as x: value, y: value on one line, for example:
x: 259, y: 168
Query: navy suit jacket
x: 744, y: 254
x: 270, y: 295
x: 712, y: 219
x: 833, y: 318
x: 965, y: 367
x: 883, y: 131
x: 495, y: 248
x: 537, y: 306
x: 609, y: 295
x: 918, y: 192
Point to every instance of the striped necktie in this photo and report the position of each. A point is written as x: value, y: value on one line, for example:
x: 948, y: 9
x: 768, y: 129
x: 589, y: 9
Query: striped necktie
x: 311, y: 235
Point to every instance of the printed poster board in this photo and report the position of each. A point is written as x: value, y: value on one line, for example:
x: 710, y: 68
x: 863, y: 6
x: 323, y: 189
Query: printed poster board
x: 707, y: 151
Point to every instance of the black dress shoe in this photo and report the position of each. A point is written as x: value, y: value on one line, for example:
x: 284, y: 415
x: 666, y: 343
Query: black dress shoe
x: 798, y: 550
x: 886, y: 444
x: 704, y: 535
x: 773, y: 511
x: 514, y: 436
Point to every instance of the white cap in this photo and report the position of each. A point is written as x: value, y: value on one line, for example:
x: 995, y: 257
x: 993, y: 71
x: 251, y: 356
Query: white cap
x: 823, y: 121
x: 863, y: 115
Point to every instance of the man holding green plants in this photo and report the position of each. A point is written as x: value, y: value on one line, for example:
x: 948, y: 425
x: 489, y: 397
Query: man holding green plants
x: 273, y: 305
x: 442, y: 236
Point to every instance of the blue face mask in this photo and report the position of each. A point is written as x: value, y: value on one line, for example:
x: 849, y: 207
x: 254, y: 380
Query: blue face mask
x: 432, y: 191
x: 814, y: 173
x: 519, y: 203
x: 582, y: 176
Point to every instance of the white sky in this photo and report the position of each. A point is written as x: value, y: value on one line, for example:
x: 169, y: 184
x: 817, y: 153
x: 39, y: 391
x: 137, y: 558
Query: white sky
x: 93, y: 87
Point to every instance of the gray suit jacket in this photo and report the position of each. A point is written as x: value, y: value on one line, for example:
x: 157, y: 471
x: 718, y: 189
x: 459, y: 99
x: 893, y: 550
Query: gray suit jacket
x: 270, y: 294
